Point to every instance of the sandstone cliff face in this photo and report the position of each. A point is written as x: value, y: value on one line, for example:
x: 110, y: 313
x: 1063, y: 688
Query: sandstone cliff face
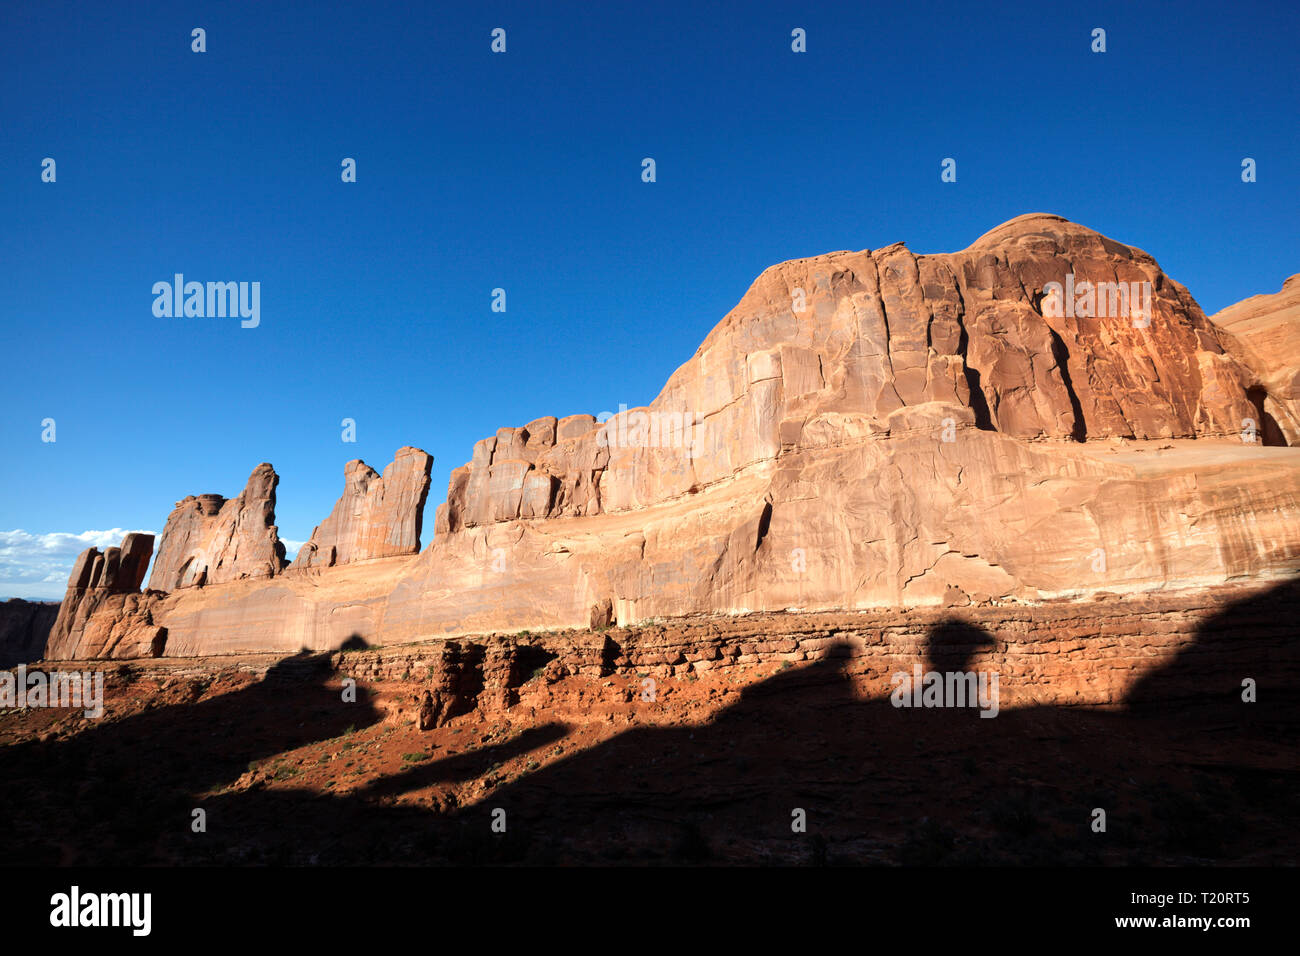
x: 375, y: 517
x: 841, y: 342
x: 881, y: 428
x: 547, y: 468
x: 1264, y: 333
x: 209, y: 540
x: 865, y: 429
x: 103, y: 613
x: 24, y: 630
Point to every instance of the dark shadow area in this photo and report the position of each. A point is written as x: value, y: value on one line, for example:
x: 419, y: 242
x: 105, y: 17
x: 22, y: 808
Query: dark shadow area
x: 954, y: 644
x: 1186, y: 772
x: 1061, y: 355
x: 24, y: 630
x: 764, y: 523
x: 112, y: 792
x: 1270, y: 432
x: 528, y: 662
x: 1256, y: 640
x: 979, y: 403
x: 609, y: 653
x: 465, y: 766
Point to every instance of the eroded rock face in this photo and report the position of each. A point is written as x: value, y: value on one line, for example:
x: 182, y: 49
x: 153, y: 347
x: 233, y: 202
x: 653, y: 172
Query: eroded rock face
x: 103, y: 614
x: 841, y: 342
x: 375, y: 517
x: 1008, y: 422
x: 211, y: 540
x: 864, y: 430
x: 24, y: 630
x: 1264, y: 333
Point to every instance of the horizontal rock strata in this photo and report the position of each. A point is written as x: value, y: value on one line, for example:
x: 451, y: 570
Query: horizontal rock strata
x: 1095, y: 653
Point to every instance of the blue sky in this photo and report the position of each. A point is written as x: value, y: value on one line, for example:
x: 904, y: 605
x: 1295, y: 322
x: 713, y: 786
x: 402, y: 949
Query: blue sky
x: 522, y: 171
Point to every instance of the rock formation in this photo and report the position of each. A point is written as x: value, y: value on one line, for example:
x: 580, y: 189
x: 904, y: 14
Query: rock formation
x: 1265, y: 336
x: 103, y: 613
x: 839, y: 343
x: 1043, y: 415
x: 209, y: 540
x: 375, y: 517
x: 24, y: 630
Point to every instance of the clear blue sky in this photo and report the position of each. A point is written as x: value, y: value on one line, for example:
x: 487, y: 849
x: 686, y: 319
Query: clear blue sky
x: 523, y: 171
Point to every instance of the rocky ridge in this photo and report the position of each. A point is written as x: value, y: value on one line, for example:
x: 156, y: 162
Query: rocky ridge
x: 865, y: 429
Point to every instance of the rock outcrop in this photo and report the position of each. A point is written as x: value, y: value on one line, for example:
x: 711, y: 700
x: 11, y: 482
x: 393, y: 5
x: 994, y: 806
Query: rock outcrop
x: 24, y: 630
x: 103, y: 613
x: 839, y: 343
x: 375, y: 517
x: 1044, y: 415
x: 1265, y: 336
x: 211, y: 540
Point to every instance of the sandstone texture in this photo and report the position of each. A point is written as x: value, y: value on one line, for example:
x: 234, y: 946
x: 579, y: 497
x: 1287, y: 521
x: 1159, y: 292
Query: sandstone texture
x: 1265, y: 336
x: 1094, y: 653
x: 375, y: 517
x: 211, y: 540
x: 874, y: 429
x: 103, y: 613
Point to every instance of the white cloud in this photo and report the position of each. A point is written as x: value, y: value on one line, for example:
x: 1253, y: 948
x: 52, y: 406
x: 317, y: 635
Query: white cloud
x: 37, y: 565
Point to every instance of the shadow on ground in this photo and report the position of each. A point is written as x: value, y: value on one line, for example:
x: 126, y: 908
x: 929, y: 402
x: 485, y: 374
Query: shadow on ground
x: 1186, y: 773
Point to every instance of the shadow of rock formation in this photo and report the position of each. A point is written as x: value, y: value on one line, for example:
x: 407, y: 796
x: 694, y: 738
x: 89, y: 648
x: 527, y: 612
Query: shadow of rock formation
x: 1186, y: 772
